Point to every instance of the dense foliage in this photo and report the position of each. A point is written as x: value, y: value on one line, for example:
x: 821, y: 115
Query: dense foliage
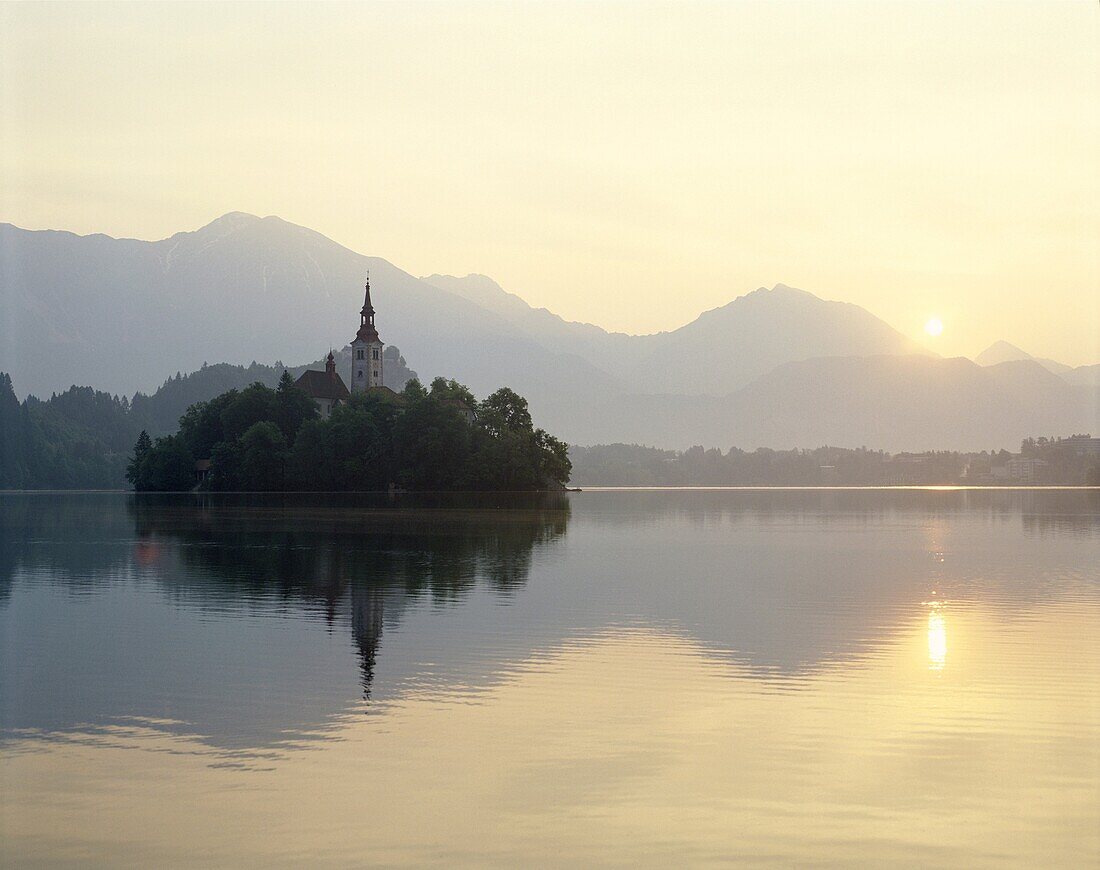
x: 635, y: 465
x: 79, y: 439
x: 259, y: 439
x: 76, y: 440
x: 159, y: 413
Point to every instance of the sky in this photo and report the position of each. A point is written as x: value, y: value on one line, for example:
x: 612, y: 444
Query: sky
x: 625, y: 164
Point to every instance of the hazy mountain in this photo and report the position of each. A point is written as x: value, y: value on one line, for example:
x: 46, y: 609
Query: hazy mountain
x: 890, y: 402
x: 1084, y: 376
x: 777, y: 367
x: 613, y: 352
x: 1002, y: 352
x: 124, y: 314
x: 720, y: 351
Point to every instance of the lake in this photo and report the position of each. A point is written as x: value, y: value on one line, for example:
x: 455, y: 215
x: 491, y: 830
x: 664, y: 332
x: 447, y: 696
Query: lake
x: 665, y: 678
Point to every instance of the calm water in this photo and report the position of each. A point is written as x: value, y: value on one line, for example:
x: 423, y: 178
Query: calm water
x: 627, y: 678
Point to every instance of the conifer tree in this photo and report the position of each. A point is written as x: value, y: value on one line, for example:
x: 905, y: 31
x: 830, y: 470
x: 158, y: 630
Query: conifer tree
x: 141, y: 450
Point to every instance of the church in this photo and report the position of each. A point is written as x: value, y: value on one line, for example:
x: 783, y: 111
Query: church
x: 327, y: 388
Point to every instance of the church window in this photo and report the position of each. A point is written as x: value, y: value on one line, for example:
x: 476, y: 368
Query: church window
x: 360, y: 373
x: 359, y: 353
x: 376, y: 353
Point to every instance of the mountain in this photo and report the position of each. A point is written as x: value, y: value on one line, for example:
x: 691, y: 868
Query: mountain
x: 125, y: 314
x: 610, y: 351
x: 779, y: 367
x: 890, y: 402
x: 1084, y: 376
x: 1002, y: 352
x: 722, y: 350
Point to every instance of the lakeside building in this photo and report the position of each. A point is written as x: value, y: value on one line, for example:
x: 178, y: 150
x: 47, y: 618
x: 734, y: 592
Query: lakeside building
x: 1020, y: 470
x: 327, y: 388
x: 1082, y: 445
x: 366, y: 350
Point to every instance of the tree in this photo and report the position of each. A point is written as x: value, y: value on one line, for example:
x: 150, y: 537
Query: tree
x: 432, y: 443
x: 263, y: 455
x: 254, y: 404
x: 141, y: 449
x: 292, y: 407
x: 442, y: 388
x: 504, y: 411
x: 201, y: 424
x: 15, y: 440
x: 554, y: 464
x: 311, y: 465
x: 358, y: 447
x: 413, y: 391
x: 225, y: 467
x: 168, y: 466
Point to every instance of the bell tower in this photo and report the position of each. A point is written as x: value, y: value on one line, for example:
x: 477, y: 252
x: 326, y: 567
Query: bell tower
x: 366, y: 349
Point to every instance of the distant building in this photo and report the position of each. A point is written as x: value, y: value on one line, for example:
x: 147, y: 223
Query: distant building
x: 202, y: 470
x: 366, y: 350
x: 325, y: 388
x: 1082, y: 445
x: 468, y: 413
x: 1024, y: 470
x: 907, y: 470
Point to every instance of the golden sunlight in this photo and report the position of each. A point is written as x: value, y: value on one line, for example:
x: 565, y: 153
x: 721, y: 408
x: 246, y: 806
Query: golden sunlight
x: 937, y: 640
x: 934, y: 327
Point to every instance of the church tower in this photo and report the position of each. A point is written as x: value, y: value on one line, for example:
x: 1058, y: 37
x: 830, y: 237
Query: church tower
x: 366, y: 350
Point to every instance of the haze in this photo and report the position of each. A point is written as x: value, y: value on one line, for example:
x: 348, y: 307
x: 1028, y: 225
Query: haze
x: 625, y: 165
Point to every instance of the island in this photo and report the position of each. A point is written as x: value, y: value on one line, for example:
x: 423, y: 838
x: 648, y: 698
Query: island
x: 275, y: 440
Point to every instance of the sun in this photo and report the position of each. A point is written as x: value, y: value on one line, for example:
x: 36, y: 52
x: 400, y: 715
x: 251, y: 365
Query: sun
x: 934, y: 326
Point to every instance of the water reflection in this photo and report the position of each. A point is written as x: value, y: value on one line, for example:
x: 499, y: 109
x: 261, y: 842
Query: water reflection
x: 937, y: 639
x: 549, y: 679
x: 784, y: 584
x: 373, y: 553
x: 356, y: 567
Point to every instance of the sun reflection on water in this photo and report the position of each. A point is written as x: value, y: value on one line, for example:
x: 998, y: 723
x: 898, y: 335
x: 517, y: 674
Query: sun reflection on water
x: 937, y: 638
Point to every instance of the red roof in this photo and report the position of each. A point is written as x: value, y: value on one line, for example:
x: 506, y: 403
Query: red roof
x: 322, y: 385
x: 367, y: 333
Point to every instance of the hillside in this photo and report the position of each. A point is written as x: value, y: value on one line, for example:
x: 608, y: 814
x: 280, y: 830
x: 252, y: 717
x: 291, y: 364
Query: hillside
x: 1002, y: 352
x: 885, y: 402
x: 720, y: 351
x: 125, y: 314
x: 779, y: 367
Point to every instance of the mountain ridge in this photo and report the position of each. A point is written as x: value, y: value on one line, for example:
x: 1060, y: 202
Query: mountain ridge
x: 123, y: 315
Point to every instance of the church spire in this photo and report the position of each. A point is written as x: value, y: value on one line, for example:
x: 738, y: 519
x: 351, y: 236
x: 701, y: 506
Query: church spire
x: 367, y: 313
x: 366, y: 349
x: 367, y: 330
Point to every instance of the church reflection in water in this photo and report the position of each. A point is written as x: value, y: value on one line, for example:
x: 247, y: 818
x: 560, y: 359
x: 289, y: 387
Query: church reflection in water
x: 370, y: 555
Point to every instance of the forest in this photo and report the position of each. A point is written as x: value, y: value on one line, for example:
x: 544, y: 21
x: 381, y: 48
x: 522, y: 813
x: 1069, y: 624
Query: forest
x: 271, y: 440
x: 80, y: 438
x: 83, y: 439
x: 1059, y: 463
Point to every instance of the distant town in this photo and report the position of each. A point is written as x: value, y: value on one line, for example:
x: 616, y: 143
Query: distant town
x: 1043, y: 461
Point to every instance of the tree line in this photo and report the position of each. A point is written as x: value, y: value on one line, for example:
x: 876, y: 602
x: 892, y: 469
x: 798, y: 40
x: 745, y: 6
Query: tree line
x: 262, y: 439
x: 636, y: 465
x: 80, y: 438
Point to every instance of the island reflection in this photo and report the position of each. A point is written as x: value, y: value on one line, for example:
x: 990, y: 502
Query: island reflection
x: 204, y: 610
x: 97, y: 570
x: 372, y: 552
